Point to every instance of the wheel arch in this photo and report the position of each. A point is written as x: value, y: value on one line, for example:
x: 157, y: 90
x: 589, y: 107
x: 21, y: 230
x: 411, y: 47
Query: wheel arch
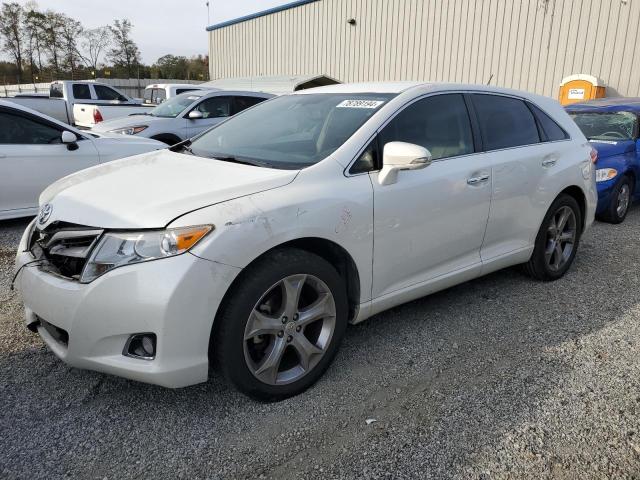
x: 168, y: 138
x: 578, y: 195
x: 330, y: 251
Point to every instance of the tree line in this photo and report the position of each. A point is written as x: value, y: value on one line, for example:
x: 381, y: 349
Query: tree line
x: 52, y: 45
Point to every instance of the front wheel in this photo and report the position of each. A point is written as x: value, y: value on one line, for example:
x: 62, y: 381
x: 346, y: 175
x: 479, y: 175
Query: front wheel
x: 620, y: 201
x: 557, y: 240
x: 281, y: 327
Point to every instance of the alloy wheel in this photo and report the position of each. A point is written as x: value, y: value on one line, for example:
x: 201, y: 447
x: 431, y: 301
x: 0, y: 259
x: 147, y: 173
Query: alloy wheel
x: 624, y: 195
x: 561, y: 238
x: 290, y: 329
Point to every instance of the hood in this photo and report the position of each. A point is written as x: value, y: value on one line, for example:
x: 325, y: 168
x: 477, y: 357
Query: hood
x: 609, y: 148
x: 151, y: 190
x: 124, y: 122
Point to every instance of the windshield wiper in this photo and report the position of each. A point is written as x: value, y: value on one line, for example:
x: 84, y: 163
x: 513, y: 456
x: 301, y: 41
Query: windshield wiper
x: 182, y: 146
x: 229, y: 158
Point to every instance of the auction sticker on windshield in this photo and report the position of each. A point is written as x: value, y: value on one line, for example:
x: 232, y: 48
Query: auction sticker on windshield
x: 360, y: 104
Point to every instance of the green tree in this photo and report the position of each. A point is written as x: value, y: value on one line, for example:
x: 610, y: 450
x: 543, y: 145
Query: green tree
x: 171, y: 66
x: 125, y: 52
x: 11, y: 32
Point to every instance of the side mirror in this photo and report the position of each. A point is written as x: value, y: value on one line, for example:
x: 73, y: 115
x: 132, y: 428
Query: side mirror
x: 399, y: 156
x: 69, y: 139
x: 195, y: 115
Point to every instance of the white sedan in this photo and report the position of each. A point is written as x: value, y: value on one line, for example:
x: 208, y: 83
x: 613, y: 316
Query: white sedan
x: 36, y: 150
x: 259, y: 241
x: 183, y: 116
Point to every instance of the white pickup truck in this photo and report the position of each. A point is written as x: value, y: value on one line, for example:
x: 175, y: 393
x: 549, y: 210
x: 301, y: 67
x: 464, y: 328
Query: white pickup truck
x: 81, y: 103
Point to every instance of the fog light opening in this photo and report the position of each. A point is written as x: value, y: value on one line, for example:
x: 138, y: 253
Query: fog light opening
x: 141, y: 345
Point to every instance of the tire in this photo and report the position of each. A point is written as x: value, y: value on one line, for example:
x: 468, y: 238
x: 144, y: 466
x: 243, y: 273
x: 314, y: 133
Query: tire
x: 621, y: 198
x: 561, y: 243
x: 258, y: 337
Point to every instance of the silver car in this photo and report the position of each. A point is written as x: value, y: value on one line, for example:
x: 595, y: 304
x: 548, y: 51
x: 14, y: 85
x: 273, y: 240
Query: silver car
x: 184, y: 116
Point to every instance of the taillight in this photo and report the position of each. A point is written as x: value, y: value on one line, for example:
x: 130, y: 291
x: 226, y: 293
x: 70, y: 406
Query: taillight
x: 594, y: 155
x: 97, y: 116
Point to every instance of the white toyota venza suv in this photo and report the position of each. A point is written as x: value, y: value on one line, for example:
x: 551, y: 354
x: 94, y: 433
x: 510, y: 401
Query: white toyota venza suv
x: 253, y: 245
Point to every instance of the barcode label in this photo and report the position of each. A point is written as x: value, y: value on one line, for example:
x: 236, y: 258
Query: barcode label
x: 360, y: 104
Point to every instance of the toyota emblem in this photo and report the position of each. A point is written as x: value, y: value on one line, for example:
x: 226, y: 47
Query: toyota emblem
x: 45, y: 213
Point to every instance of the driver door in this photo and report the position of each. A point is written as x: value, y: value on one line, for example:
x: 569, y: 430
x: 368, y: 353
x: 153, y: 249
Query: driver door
x: 431, y: 222
x: 32, y: 157
x: 213, y: 109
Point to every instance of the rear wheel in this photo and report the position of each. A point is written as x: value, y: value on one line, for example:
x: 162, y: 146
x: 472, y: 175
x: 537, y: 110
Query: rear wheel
x: 557, y: 240
x: 281, y: 328
x: 621, y: 197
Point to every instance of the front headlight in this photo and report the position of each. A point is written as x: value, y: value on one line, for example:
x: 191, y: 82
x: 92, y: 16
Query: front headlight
x: 604, y: 174
x: 129, y: 130
x: 118, y: 249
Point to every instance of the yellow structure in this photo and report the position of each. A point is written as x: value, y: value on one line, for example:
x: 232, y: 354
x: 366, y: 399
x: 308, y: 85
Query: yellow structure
x: 580, y: 88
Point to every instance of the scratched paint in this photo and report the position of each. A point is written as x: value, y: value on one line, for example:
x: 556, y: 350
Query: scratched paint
x: 345, y: 219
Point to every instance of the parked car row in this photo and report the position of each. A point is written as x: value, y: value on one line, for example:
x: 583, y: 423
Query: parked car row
x: 255, y: 242
x: 85, y: 104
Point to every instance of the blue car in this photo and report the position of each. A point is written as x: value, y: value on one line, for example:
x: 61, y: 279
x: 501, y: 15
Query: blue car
x: 611, y: 125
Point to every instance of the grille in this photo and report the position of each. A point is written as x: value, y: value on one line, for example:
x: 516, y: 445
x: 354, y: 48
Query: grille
x: 64, y: 247
x: 59, y: 335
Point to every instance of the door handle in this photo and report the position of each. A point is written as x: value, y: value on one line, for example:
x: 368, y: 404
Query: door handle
x: 478, y: 179
x: 549, y: 161
x: 2, y: 155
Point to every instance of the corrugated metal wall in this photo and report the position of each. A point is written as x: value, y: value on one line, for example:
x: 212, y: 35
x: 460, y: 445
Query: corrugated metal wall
x: 525, y: 44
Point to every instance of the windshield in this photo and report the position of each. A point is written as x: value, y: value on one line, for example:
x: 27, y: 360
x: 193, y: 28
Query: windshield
x: 174, y: 106
x: 610, y: 126
x: 290, y: 132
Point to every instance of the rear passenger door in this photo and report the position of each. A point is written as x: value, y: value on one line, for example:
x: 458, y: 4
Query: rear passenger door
x: 520, y: 159
x: 430, y: 222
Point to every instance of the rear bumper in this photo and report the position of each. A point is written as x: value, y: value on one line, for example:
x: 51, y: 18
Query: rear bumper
x: 175, y: 298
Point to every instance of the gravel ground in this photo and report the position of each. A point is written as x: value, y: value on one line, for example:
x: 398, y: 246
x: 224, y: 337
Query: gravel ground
x: 501, y: 377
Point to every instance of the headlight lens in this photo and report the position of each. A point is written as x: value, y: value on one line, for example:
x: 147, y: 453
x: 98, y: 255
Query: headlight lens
x: 117, y: 249
x: 129, y: 130
x: 604, y: 174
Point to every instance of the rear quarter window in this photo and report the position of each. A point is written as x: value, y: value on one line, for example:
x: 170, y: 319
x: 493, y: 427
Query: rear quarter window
x: 551, y: 130
x: 505, y: 122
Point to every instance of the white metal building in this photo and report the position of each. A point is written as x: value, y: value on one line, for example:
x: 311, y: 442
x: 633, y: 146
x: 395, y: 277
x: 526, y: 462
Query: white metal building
x: 524, y: 44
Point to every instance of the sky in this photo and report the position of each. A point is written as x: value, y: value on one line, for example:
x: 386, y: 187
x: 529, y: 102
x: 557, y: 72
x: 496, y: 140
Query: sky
x: 160, y: 26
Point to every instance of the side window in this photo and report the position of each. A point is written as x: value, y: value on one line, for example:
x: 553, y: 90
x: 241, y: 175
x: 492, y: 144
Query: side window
x: 81, y: 91
x: 552, y: 131
x: 183, y: 90
x: 106, y: 93
x: 160, y: 95
x: 505, y: 122
x: 439, y: 123
x: 56, y: 90
x: 368, y: 159
x: 242, y: 103
x: 215, y: 107
x: 19, y: 130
